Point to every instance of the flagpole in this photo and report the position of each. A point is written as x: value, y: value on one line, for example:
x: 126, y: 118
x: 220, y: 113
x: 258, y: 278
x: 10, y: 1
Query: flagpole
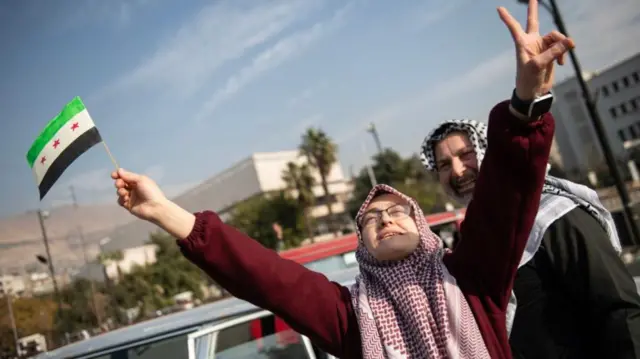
x: 115, y: 163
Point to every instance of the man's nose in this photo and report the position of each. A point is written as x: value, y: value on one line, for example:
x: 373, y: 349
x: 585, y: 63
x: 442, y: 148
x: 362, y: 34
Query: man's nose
x: 457, y: 167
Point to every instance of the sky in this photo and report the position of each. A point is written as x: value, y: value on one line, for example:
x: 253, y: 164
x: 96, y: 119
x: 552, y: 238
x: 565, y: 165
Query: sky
x: 182, y: 90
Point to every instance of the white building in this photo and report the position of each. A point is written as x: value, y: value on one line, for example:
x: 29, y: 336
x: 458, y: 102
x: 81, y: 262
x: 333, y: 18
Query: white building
x: 40, y: 283
x: 617, y: 92
x: 139, y: 256
x: 258, y: 174
x: 261, y: 173
x: 12, y: 284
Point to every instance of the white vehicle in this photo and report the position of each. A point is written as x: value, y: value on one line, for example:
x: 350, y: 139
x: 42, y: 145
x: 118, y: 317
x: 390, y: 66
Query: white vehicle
x: 220, y: 330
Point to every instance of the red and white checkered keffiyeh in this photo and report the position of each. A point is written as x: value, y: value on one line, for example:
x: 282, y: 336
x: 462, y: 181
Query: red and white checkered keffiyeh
x: 412, y: 308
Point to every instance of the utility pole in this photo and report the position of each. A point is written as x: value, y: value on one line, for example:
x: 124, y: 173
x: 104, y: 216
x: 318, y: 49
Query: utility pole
x: 52, y: 272
x: 598, y: 127
x: 86, y: 261
x: 13, y: 322
x: 372, y: 175
x: 376, y: 137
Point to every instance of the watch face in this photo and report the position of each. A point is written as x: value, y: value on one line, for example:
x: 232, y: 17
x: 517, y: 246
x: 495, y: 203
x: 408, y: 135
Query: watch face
x: 541, y: 106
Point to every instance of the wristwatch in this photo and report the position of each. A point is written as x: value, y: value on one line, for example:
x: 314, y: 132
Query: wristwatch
x: 532, y: 108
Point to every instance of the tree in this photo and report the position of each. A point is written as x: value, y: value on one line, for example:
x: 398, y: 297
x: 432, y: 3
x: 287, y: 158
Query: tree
x: 255, y: 217
x: 406, y: 175
x: 110, y: 256
x: 301, y: 180
x: 321, y: 152
x: 78, y: 312
x: 32, y: 315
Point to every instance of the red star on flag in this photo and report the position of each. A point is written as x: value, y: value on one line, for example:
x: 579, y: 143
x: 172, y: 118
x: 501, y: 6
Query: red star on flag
x: 74, y: 126
x: 43, y: 159
x: 56, y: 143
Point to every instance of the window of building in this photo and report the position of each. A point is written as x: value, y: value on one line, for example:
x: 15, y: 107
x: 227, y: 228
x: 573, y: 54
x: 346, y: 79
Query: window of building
x: 615, y: 87
x: 605, y: 91
x: 625, y: 81
x: 635, y: 76
x: 633, y: 132
x: 613, y: 112
x: 634, y: 104
x: 623, y: 108
x: 622, y: 135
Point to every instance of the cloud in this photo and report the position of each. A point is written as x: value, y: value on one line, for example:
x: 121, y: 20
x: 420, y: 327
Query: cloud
x: 306, y: 94
x: 219, y: 33
x: 302, y: 96
x: 429, y: 13
x: 604, y: 33
x: 282, y: 51
x: 491, y: 70
x: 592, y: 28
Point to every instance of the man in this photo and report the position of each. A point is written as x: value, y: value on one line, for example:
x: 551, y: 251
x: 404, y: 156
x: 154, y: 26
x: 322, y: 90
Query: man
x: 573, y: 295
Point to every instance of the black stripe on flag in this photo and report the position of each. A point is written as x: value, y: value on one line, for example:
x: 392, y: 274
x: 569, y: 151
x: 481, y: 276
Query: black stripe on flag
x: 64, y: 160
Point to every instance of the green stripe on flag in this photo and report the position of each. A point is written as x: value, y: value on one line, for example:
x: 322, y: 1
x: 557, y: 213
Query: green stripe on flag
x: 68, y: 112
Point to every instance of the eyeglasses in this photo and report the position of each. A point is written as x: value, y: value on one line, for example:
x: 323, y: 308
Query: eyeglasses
x: 373, y: 217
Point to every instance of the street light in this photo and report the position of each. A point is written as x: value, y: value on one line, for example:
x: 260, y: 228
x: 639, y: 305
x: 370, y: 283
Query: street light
x: 596, y: 121
x: 41, y: 217
x: 374, y: 132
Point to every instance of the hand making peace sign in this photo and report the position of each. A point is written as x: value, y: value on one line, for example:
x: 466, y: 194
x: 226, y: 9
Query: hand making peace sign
x: 535, y: 54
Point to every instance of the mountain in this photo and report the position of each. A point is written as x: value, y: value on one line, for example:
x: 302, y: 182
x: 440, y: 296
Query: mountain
x: 21, y: 237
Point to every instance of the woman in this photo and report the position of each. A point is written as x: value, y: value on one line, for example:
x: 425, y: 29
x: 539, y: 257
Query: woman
x: 412, y: 299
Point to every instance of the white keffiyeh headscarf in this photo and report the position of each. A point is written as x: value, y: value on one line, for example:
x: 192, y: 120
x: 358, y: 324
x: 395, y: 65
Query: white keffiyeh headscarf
x: 412, y: 308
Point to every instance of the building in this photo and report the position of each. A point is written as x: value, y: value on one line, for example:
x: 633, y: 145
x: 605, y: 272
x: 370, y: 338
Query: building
x: 617, y: 92
x: 129, y: 258
x: 40, y: 283
x: 12, y: 284
x: 140, y: 256
x: 260, y: 173
x: 28, y: 284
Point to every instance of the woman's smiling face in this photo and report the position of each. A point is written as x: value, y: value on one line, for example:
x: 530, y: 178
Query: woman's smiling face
x: 388, y: 229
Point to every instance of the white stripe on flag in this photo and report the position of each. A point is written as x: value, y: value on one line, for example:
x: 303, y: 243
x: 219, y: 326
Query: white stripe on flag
x: 73, y: 129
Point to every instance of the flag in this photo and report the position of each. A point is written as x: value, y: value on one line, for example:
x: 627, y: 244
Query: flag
x: 62, y: 141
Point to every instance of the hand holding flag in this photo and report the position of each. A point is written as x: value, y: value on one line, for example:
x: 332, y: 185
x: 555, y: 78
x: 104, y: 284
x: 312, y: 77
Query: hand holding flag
x: 142, y: 197
x: 139, y: 194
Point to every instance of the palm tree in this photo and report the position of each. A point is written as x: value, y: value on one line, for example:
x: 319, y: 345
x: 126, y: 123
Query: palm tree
x: 321, y: 152
x: 301, y: 179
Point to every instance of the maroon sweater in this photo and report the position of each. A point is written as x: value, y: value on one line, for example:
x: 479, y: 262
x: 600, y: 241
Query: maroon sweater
x: 495, y: 233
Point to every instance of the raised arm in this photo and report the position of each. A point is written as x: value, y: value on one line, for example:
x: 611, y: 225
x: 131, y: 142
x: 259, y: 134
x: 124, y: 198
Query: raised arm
x: 505, y: 202
x: 509, y: 185
x: 306, y: 300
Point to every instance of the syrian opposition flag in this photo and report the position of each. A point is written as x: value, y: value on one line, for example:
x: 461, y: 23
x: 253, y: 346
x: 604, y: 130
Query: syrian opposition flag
x: 64, y: 139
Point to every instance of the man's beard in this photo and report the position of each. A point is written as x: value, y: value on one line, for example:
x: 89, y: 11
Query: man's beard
x: 461, y: 187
